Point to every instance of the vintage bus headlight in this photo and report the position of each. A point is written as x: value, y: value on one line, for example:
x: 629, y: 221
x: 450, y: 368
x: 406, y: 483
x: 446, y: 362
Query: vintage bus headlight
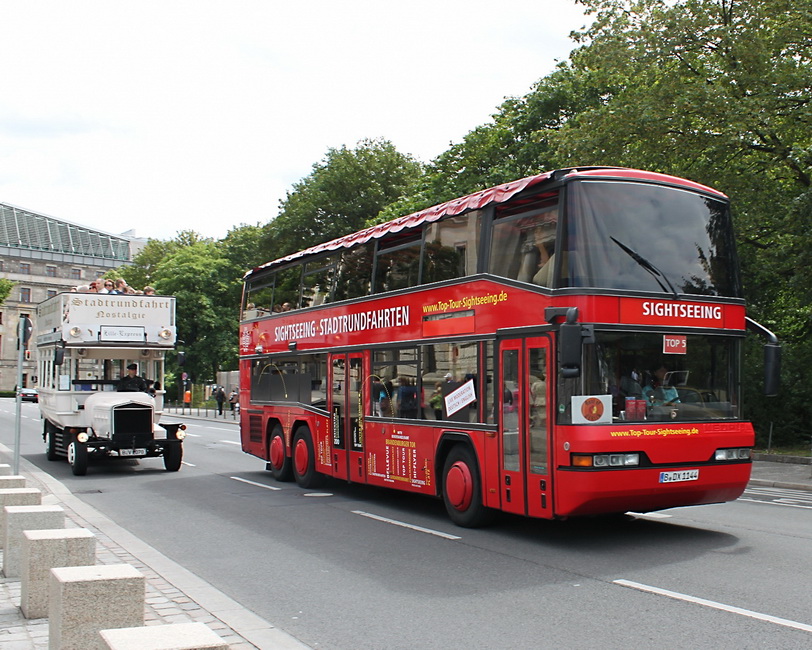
x: 605, y: 460
x: 165, y: 334
x: 740, y: 453
x: 83, y: 437
x: 75, y: 332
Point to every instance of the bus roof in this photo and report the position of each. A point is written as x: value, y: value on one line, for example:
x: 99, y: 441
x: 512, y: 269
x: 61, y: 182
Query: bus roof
x: 476, y: 201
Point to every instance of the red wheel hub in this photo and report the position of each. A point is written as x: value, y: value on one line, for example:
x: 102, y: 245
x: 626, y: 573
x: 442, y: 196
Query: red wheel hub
x: 301, y: 457
x: 459, y: 486
x: 277, y: 452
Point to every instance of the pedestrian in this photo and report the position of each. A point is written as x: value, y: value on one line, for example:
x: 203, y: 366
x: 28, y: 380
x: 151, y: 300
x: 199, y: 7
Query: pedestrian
x: 220, y: 397
x: 232, y: 399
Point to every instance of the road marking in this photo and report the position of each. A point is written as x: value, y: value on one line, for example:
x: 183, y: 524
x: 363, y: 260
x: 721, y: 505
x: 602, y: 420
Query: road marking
x: 403, y: 524
x: 188, y: 464
x: 262, y: 485
x: 774, y: 503
x: 231, y: 442
x: 219, y: 429
x: 714, y: 605
x: 192, y: 435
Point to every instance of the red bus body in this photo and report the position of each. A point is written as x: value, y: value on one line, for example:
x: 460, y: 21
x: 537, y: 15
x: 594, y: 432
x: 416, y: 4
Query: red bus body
x: 520, y: 445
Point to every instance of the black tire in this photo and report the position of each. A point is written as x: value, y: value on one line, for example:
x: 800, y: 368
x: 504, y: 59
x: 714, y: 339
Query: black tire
x: 280, y: 464
x: 77, y: 457
x: 50, y: 441
x: 462, y: 489
x: 304, y: 460
x: 173, y: 456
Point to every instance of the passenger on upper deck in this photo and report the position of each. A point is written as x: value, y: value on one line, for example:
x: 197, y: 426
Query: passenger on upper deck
x: 131, y: 382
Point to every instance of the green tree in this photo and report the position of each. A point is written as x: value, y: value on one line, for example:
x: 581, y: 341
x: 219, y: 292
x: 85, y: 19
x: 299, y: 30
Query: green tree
x: 5, y: 289
x: 203, y: 283
x: 341, y: 195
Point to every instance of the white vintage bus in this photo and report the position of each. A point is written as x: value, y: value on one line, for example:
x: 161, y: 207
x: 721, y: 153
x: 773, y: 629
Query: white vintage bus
x: 90, y: 408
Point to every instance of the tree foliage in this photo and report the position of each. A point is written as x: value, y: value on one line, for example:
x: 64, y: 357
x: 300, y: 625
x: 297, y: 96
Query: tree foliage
x: 5, y: 289
x: 342, y: 194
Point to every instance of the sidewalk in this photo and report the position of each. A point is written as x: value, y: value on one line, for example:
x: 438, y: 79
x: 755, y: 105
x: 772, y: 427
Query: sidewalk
x: 173, y: 594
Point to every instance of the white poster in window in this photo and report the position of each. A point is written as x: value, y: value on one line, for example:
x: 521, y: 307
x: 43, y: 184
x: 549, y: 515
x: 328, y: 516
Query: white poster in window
x: 460, y: 398
x: 592, y: 409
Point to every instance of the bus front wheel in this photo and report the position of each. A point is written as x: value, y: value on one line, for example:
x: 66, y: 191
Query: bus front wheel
x: 281, y: 464
x: 173, y: 457
x: 77, y: 457
x: 304, y: 460
x: 462, y: 489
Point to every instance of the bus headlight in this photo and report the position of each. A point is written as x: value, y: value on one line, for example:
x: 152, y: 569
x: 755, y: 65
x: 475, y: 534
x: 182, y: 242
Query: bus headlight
x: 739, y: 453
x: 605, y: 460
x: 165, y: 334
x: 83, y: 437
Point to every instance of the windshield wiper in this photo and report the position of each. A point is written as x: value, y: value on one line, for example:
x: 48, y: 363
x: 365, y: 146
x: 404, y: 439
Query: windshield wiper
x: 642, y: 261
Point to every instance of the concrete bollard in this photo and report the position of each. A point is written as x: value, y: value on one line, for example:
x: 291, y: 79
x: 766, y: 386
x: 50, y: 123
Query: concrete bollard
x: 20, y: 518
x: 85, y: 600
x: 16, y: 497
x: 10, y: 481
x: 177, y: 636
x: 5, y: 469
x: 43, y: 550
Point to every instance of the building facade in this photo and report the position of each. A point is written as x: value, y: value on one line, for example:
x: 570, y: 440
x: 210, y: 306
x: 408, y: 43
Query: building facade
x: 44, y: 256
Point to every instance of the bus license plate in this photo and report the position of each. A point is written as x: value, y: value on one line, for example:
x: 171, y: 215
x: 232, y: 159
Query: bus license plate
x: 675, y: 477
x: 132, y: 452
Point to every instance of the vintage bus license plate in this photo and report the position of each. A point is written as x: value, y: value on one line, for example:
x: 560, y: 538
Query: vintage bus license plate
x: 682, y: 475
x: 135, y: 452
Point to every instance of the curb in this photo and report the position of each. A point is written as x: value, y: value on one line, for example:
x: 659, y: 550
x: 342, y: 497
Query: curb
x: 780, y: 484
x: 241, y: 620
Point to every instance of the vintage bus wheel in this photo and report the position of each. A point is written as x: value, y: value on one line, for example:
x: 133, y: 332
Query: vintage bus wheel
x: 173, y: 457
x: 50, y: 441
x: 462, y: 489
x: 281, y: 465
x: 304, y: 460
x: 77, y: 457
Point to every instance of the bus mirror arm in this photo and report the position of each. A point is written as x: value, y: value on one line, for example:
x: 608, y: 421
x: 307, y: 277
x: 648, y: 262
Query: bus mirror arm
x: 772, y: 357
x: 571, y: 337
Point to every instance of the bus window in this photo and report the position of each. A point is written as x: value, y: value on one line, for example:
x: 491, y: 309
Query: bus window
x: 645, y: 384
x: 317, y: 282
x: 523, y: 245
x: 451, y: 247
x: 354, y: 272
x: 397, y: 264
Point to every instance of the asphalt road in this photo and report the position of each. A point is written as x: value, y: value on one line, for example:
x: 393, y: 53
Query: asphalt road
x: 351, y: 567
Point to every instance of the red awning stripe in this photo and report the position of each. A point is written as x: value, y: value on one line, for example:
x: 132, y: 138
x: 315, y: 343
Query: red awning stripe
x: 474, y: 201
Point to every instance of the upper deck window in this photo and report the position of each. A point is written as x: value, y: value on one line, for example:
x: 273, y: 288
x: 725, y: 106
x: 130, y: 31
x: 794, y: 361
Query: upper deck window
x: 645, y: 237
x: 524, y: 240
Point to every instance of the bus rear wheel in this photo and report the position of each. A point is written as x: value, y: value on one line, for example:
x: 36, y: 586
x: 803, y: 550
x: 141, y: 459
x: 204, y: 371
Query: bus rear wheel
x: 281, y: 465
x: 304, y: 460
x: 462, y: 489
x: 50, y: 441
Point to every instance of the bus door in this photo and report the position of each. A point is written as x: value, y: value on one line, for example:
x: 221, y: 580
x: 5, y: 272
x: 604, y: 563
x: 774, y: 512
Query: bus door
x: 524, y: 427
x: 346, y: 378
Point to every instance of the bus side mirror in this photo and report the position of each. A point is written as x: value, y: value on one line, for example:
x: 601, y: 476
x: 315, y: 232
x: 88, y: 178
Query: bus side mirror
x: 569, y: 350
x: 772, y: 369
x: 181, y: 358
x: 59, y: 356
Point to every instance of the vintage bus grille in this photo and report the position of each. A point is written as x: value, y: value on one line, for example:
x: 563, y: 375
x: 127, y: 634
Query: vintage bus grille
x: 132, y: 424
x: 255, y: 428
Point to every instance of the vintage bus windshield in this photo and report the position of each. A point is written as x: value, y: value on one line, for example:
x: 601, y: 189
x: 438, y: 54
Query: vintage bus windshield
x: 685, y: 236
x: 695, y: 385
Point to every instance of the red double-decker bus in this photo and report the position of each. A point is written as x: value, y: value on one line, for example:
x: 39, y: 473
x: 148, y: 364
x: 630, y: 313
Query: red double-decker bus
x: 566, y: 344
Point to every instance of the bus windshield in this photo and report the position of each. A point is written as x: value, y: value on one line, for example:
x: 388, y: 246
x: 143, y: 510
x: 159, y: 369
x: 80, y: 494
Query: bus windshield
x: 645, y: 384
x: 644, y: 237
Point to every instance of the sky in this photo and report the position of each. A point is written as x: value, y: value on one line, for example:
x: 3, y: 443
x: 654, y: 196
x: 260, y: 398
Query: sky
x: 172, y: 115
